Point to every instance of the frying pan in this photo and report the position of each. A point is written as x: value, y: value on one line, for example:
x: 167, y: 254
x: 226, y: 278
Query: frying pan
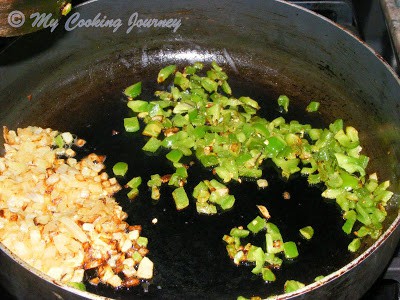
x: 74, y: 81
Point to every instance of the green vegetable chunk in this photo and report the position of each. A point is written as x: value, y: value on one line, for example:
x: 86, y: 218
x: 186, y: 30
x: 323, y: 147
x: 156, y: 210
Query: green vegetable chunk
x: 307, y: 232
x: 77, y: 285
x: 290, y: 250
x: 133, y: 193
x: 257, y: 224
x: 131, y: 124
x: 155, y: 180
x: 267, y: 275
x: 142, y: 241
x: 58, y: 140
x: 181, y: 199
x: 138, y: 106
x: 312, y: 106
x: 152, y: 129
x: 205, y: 208
x: 318, y: 278
x: 120, y: 168
x: 354, y: 245
x: 152, y: 145
x: 134, y: 90
x: 165, y: 73
x: 135, y: 182
x: 175, y: 155
x: 292, y: 285
x: 240, y: 233
x: 283, y: 101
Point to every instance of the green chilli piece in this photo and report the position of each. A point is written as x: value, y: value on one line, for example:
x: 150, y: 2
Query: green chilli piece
x: 198, y: 115
x: 59, y: 141
x: 307, y: 232
x: 268, y: 275
x: 131, y: 124
x: 152, y: 145
x: 137, y: 257
x: 133, y: 193
x: 142, y: 241
x: 313, y: 106
x: 77, y: 285
x: 351, y: 217
x: 138, y: 106
x: 354, y: 245
x: 273, y: 238
x: 292, y: 285
x: 155, y: 180
x: 206, y: 208
x: 174, y: 155
x: 152, y: 129
x: 290, y: 250
x: 283, y: 102
x: 134, y: 90
x: 181, y: 199
x: 120, y: 168
x: 318, y: 278
x: 66, y: 9
x: 155, y: 193
x: 257, y: 225
x: 239, y: 233
x: 165, y: 73
x: 135, y: 182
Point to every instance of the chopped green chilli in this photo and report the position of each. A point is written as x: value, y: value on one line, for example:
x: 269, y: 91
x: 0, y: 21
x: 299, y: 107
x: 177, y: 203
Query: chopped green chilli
x: 268, y: 275
x: 120, y: 168
x: 210, y: 194
x: 77, y: 285
x: 142, y: 241
x: 58, y: 140
x: 292, y: 285
x: 165, y: 73
x: 131, y: 124
x: 313, y: 106
x: 283, y: 102
x: 152, y: 145
x: 134, y: 90
x: 133, y: 193
x: 180, y: 197
x: 257, y: 225
x: 175, y: 155
x: 198, y: 118
x: 354, y: 245
x: 318, y: 278
x: 264, y: 259
x: 307, y: 232
x: 290, y: 250
x: 135, y: 182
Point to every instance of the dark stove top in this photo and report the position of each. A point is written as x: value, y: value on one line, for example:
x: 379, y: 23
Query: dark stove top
x: 366, y: 20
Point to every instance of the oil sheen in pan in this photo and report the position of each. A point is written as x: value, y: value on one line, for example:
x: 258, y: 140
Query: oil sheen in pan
x: 187, y: 248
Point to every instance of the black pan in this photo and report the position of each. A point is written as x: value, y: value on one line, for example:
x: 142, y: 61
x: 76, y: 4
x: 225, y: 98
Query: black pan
x: 268, y: 48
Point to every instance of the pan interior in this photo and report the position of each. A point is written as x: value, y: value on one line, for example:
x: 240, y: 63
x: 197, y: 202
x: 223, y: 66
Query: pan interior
x: 187, y: 248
